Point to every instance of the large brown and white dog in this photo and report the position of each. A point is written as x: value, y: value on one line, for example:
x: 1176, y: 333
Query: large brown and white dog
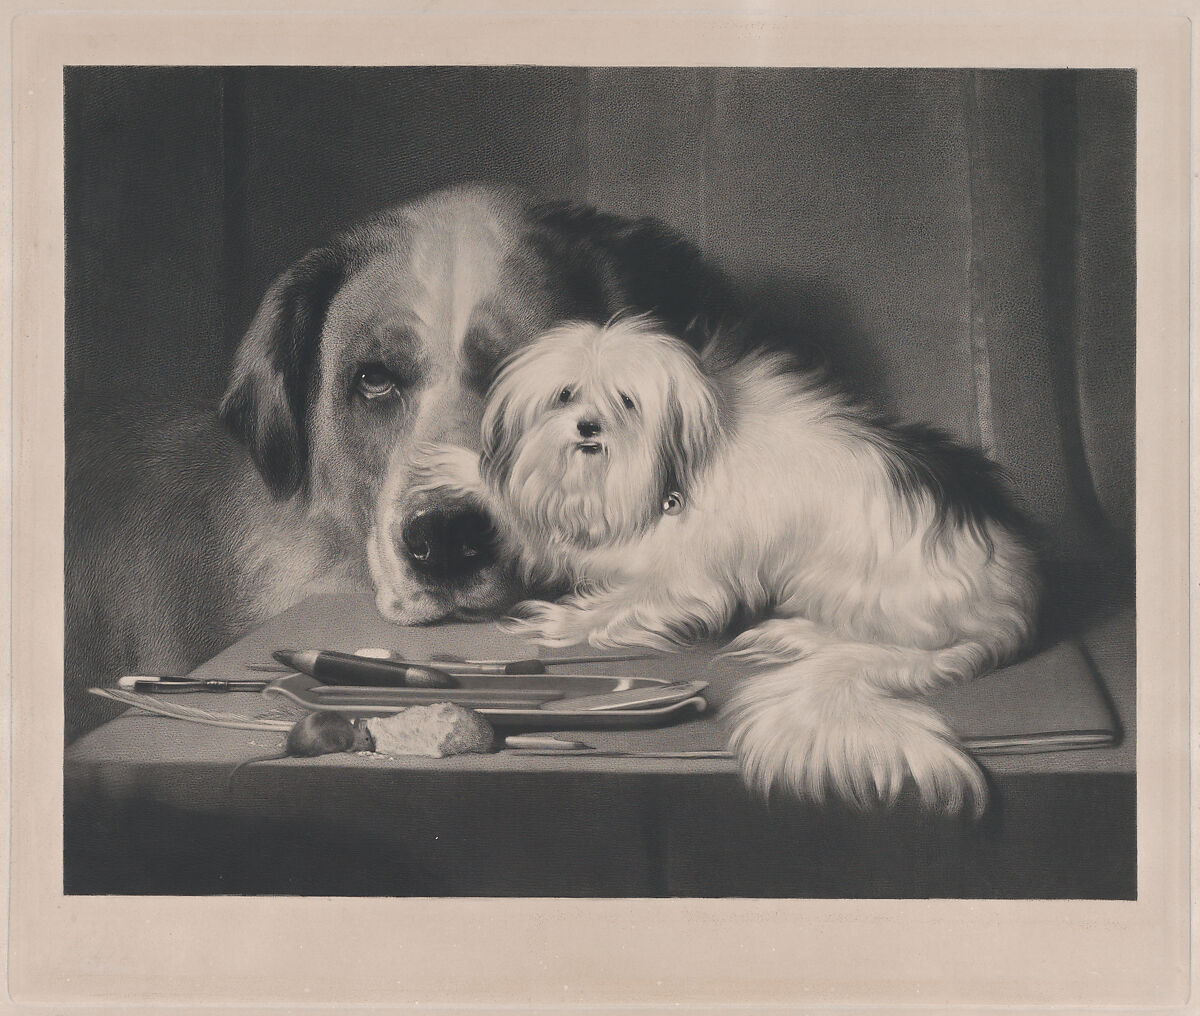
x: 181, y: 533
x: 672, y: 491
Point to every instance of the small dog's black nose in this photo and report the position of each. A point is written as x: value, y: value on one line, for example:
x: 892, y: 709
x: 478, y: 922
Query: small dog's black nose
x: 588, y: 428
x: 448, y: 542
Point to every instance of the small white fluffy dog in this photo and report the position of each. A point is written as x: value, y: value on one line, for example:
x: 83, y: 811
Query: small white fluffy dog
x: 674, y: 492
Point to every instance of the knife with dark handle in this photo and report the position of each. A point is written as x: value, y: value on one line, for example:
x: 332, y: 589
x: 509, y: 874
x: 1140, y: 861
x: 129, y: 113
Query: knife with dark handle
x: 165, y: 685
x: 363, y: 671
x: 456, y: 665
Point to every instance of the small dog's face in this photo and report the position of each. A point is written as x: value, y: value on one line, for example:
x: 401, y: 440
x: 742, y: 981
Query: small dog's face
x: 587, y: 430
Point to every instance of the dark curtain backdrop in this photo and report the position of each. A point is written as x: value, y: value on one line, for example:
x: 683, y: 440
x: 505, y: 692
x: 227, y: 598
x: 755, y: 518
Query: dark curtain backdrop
x: 961, y: 242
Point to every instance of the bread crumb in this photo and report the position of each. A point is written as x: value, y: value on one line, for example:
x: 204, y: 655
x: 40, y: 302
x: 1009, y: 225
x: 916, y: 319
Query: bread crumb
x: 434, y: 731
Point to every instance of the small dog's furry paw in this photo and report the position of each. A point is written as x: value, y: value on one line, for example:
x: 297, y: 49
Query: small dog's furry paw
x: 602, y: 623
x: 547, y: 624
x: 815, y: 739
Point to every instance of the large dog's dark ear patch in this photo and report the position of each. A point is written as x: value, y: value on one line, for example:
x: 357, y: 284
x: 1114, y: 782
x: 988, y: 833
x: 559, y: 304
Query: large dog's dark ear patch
x: 266, y: 403
x: 617, y: 264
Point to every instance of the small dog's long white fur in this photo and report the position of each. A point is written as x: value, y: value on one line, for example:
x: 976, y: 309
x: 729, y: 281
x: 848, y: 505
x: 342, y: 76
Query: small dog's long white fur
x: 797, y: 506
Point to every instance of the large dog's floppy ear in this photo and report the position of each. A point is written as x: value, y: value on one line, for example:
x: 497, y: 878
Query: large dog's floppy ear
x: 266, y: 402
x: 640, y: 265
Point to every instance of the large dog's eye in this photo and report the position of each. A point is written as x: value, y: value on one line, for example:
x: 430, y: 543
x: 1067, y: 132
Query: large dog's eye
x: 626, y: 401
x: 564, y: 395
x: 374, y: 381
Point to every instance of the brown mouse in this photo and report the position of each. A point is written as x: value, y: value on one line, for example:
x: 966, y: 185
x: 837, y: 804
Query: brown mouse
x: 316, y: 734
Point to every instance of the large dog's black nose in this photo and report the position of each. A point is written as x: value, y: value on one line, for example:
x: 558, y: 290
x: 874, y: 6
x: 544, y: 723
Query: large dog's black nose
x: 588, y: 428
x: 448, y: 542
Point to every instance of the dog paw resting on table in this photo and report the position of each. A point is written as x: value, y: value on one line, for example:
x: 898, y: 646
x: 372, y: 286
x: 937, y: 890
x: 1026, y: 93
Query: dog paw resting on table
x: 673, y: 491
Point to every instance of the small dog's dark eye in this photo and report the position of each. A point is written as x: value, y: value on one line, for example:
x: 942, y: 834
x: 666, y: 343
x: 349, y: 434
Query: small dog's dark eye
x: 626, y: 401
x: 564, y: 395
x: 373, y: 381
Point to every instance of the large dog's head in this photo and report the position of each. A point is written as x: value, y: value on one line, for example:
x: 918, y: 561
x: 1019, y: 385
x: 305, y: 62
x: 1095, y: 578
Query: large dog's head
x: 592, y: 429
x: 386, y: 340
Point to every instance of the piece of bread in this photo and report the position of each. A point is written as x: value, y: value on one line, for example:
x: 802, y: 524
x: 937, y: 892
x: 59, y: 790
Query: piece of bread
x: 435, y: 731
